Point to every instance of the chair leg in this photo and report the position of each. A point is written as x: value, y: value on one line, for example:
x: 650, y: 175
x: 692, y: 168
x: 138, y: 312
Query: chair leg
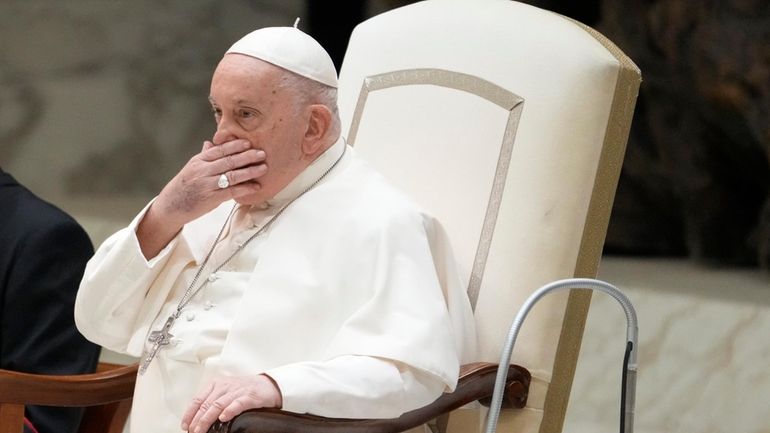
x: 11, y: 418
x: 120, y: 417
x: 109, y: 418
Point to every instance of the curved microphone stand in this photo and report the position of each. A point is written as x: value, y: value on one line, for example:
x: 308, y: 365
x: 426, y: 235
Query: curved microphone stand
x: 628, y: 393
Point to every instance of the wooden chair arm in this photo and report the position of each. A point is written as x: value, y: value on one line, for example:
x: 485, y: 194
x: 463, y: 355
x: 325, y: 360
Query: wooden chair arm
x: 476, y: 382
x: 81, y: 390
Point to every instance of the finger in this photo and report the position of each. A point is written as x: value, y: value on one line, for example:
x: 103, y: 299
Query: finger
x: 245, y: 174
x: 212, y: 412
x: 222, y: 150
x: 207, y: 145
x: 236, y: 161
x: 243, y: 190
x: 192, y: 409
x: 236, y: 407
x: 205, y: 407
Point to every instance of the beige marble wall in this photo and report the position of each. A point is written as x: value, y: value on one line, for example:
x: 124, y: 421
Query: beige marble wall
x: 103, y: 101
x: 704, y: 353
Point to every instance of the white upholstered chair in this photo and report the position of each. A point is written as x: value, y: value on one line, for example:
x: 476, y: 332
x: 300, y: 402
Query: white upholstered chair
x: 508, y: 123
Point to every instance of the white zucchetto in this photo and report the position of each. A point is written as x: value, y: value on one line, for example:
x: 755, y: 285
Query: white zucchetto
x: 291, y: 49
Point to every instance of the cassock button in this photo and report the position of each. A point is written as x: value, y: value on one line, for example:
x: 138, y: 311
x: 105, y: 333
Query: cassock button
x: 213, y: 277
x: 208, y: 305
x: 264, y: 205
x: 190, y: 317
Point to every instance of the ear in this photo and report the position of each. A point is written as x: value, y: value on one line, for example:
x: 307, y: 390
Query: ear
x: 319, y: 123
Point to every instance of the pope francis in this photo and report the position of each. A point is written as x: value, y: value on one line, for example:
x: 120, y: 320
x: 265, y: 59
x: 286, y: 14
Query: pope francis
x: 277, y: 269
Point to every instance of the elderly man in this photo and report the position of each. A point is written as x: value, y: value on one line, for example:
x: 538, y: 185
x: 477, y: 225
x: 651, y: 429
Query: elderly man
x: 276, y: 269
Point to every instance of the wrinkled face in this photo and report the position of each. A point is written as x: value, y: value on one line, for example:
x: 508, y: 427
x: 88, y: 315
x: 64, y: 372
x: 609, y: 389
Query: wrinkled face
x: 249, y: 104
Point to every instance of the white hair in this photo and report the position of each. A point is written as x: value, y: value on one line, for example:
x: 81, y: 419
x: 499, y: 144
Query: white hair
x: 306, y: 91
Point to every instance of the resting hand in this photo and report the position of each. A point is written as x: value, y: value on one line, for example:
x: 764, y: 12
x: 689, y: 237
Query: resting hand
x: 227, y: 397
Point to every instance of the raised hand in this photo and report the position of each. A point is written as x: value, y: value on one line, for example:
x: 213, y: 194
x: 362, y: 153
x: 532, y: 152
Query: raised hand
x: 195, y: 190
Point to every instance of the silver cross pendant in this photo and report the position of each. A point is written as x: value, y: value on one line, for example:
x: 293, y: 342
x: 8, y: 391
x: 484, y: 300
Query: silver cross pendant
x: 160, y: 339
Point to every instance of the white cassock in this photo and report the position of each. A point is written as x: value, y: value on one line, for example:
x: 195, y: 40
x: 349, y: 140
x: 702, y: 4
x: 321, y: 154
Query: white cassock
x: 351, y: 301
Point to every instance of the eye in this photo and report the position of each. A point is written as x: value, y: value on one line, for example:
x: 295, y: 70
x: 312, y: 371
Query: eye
x: 217, y: 113
x: 245, y: 114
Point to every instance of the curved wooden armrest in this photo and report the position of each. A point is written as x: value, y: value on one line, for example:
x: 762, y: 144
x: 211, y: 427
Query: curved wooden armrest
x: 79, y: 390
x: 106, y: 395
x: 476, y: 382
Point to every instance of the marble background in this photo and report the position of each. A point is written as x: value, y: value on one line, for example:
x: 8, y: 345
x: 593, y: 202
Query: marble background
x: 106, y: 98
x: 102, y: 101
x: 704, y: 350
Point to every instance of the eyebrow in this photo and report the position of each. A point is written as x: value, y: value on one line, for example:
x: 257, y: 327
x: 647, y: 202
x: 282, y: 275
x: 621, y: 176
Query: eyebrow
x: 237, y: 102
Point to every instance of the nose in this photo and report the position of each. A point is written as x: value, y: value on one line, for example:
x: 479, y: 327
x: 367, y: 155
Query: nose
x: 227, y: 130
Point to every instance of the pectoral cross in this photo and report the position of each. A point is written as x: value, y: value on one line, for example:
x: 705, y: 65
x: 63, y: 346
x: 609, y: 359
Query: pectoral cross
x: 160, y: 339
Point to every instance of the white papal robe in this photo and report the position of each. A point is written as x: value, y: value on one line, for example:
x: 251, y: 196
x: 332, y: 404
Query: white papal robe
x: 350, y: 301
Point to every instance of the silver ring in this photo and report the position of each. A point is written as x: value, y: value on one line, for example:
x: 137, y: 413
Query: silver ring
x: 223, y: 181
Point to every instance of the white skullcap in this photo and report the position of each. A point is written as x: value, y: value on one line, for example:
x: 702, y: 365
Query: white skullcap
x: 291, y: 49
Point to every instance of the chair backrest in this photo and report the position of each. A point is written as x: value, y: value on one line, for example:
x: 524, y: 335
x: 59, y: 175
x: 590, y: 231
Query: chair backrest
x: 508, y: 123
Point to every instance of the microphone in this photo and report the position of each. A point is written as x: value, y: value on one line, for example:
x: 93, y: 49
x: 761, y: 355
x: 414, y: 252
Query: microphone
x: 628, y: 391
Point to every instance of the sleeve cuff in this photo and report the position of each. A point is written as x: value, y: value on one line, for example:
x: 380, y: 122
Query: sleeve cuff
x: 354, y: 386
x: 290, y: 381
x: 151, y: 263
